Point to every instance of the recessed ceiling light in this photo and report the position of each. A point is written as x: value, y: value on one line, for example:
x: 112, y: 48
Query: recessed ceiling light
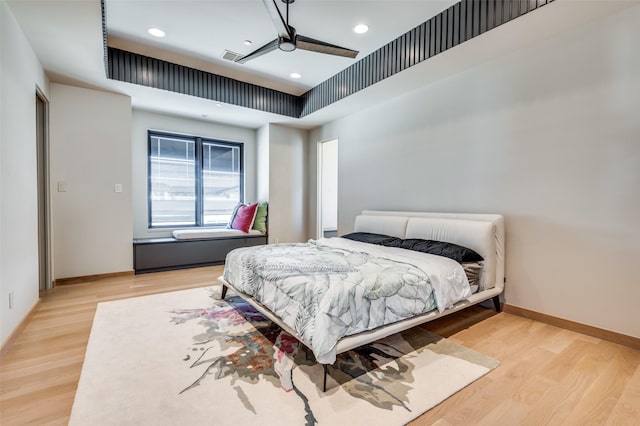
x: 157, y: 32
x: 218, y: 104
x: 248, y: 42
x: 360, y: 29
x: 295, y: 75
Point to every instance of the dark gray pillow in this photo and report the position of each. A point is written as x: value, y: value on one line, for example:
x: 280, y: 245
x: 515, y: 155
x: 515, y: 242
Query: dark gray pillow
x: 452, y: 251
x: 367, y: 237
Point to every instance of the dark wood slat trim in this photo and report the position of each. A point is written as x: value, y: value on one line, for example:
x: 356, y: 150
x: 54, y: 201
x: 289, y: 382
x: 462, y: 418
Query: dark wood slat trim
x: 451, y: 27
x: 462, y: 22
x: 483, y: 15
x: 491, y: 14
x: 105, y: 58
x: 498, y: 13
x: 146, y: 71
x: 469, y: 28
x: 455, y: 25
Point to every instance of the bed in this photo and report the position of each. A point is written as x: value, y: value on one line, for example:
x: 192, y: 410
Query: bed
x: 336, y: 294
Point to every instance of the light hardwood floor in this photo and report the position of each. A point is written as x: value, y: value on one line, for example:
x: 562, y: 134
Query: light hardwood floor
x: 547, y: 375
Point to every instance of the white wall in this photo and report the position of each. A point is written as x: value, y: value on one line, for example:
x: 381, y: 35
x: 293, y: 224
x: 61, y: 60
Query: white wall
x: 143, y: 121
x: 288, y: 183
x: 329, y: 185
x: 20, y: 74
x: 262, y: 163
x: 547, y: 136
x: 91, y: 152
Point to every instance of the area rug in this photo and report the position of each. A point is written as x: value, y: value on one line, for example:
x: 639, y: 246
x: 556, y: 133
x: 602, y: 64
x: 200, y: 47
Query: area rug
x: 187, y: 357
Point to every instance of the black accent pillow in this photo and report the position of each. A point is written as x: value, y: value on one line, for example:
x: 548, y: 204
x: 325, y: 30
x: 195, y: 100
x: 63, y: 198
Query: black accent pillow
x: 367, y: 237
x: 452, y: 251
x: 396, y: 242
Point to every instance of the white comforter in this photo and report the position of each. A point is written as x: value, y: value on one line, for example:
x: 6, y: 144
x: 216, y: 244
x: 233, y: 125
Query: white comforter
x: 334, y: 287
x: 449, y: 282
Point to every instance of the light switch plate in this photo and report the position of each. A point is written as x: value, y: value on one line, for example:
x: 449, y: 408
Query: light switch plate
x: 118, y: 187
x: 62, y: 186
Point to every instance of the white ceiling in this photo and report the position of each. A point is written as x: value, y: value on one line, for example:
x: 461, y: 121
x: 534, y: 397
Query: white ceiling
x: 67, y: 37
x: 204, y: 29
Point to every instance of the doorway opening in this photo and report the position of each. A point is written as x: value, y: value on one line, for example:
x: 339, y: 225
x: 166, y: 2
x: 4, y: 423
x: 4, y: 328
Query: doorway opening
x: 327, y: 214
x: 42, y: 153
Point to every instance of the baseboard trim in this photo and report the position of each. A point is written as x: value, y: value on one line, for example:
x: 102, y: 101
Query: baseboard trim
x: 88, y: 278
x: 600, y: 333
x: 13, y: 336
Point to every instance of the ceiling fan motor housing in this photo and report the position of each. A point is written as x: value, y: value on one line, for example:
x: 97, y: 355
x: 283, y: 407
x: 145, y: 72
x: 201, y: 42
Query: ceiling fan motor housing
x: 288, y: 39
x: 288, y: 45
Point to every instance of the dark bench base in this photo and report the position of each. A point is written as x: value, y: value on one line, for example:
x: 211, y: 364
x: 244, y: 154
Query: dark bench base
x: 163, y: 254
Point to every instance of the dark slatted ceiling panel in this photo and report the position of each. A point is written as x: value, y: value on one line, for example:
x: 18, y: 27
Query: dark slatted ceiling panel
x: 104, y: 37
x: 455, y: 25
x: 145, y: 71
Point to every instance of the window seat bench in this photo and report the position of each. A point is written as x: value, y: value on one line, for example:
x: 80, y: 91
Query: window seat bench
x: 190, y: 248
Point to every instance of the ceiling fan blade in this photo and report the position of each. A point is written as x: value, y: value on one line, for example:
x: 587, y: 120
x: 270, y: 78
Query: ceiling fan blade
x: 308, y: 43
x: 278, y: 20
x: 272, y: 45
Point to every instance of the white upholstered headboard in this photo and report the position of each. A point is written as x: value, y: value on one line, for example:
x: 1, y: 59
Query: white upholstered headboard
x: 483, y: 233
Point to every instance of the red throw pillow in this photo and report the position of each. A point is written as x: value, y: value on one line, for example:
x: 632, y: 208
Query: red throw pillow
x: 245, y: 216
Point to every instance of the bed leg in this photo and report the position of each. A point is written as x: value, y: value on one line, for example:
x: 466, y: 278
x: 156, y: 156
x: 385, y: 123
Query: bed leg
x: 324, y: 381
x: 224, y: 291
x: 496, y: 303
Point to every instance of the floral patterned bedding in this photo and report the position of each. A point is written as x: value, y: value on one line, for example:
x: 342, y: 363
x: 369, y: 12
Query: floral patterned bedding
x: 331, y: 288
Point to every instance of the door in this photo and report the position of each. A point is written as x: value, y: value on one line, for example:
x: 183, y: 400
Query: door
x: 327, y: 189
x: 43, y: 193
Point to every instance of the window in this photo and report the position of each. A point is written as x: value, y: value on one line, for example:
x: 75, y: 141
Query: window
x: 193, y: 181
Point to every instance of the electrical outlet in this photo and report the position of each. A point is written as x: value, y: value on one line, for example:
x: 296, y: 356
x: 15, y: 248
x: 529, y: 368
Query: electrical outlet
x: 10, y: 300
x: 117, y: 187
x: 62, y: 186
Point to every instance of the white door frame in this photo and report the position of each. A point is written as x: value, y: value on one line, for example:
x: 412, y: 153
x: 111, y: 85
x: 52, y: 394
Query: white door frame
x: 45, y: 252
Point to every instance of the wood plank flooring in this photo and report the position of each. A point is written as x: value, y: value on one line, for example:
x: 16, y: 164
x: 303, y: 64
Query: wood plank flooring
x: 547, y: 376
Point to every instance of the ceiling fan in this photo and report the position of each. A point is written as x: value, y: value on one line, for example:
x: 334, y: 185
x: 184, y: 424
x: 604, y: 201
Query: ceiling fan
x: 288, y: 40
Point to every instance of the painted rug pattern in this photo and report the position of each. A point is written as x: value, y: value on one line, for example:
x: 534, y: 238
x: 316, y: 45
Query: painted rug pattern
x: 228, y: 361
x: 263, y: 351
